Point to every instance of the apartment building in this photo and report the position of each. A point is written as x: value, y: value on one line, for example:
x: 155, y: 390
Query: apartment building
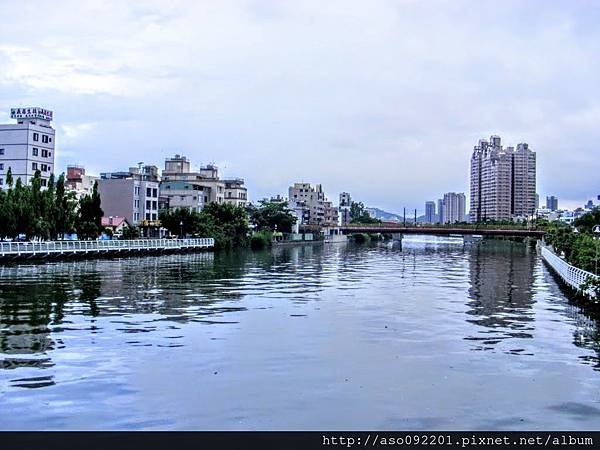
x: 27, y: 145
x: 523, y: 181
x: 502, y: 181
x: 311, y: 205
x: 131, y: 194
x: 430, y: 215
x: 183, y: 187
x: 235, y: 192
x: 453, y: 207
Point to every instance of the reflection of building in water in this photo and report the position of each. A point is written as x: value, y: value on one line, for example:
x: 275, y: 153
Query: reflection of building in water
x: 24, y: 323
x: 501, y: 297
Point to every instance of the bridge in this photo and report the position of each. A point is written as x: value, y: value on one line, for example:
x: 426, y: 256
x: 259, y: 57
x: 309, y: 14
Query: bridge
x: 478, y: 230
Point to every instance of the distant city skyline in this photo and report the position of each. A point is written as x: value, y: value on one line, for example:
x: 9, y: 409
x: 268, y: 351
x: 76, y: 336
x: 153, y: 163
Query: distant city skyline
x: 281, y: 93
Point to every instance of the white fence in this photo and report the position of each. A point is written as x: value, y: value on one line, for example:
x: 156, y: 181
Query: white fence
x: 571, y: 275
x: 75, y: 247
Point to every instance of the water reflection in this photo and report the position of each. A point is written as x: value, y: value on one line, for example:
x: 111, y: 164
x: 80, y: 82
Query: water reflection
x: 501, y: 292
x: 200, y: 340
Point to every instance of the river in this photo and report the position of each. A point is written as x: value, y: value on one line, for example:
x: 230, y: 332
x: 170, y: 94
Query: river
x: 435, y: 334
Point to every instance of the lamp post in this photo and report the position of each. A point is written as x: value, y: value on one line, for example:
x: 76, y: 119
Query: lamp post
x: 181, y: 228
x: 596, y: 231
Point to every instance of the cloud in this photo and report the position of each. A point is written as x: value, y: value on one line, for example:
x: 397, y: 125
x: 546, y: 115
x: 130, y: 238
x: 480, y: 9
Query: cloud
x: 385, y: 101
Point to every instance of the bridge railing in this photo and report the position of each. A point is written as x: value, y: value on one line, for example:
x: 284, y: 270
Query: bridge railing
x: 445, y: 226
x: 20, y: 248
x: 571, y: 275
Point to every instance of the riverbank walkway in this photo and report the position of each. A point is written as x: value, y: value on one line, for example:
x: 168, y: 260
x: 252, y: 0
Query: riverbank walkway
x: 71, y: 249
x: 571, y: 275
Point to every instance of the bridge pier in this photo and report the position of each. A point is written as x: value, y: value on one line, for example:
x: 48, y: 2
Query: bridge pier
x: 397, y: 237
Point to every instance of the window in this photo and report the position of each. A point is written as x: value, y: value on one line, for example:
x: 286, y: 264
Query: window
x: 33, y: 166
x: 36, y: 137
x: 155, y: 192
x: 44, y: 139
x: 147, y: 216
x: 1, y: 181
x: 148, y: 192
x: 148, y: 204
x: 34, y: 151
x: 44, y: 153
x: 44, y: 168
x: 1, y: 151
x: 154, y: 205
x: 154, y: 216
x: 136, y: 203
x: 1, y: 166
x: 43, y: 182
x: 136, y: 190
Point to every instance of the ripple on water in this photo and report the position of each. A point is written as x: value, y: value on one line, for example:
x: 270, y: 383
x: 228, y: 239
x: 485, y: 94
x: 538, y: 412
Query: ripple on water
x: 430, y: 332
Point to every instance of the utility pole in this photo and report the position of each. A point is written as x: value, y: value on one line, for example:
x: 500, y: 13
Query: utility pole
x: 415, y: 217
x: 596, y: 231
x: 404, y: 222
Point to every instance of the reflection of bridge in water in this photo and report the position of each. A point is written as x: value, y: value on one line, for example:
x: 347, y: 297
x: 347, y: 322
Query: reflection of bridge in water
x: 477, y: 230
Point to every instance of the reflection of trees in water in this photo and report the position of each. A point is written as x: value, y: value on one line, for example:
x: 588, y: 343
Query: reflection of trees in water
x: 501, y: 276
x: 586, y: 319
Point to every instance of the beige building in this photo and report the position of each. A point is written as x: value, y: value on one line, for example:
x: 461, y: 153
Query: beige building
x: 311, y: 205
x: 524, y: 181
x: 235, y: 192
x: 183, y: 187
x: 502, y: 181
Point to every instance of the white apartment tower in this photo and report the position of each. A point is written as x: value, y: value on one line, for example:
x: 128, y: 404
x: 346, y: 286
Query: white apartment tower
x: 27, y: 146
x: 454, y: 207
x: 523, y: 181
x: 502, y: 181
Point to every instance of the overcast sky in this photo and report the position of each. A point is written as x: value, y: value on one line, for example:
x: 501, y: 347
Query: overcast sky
x: 384, y: 99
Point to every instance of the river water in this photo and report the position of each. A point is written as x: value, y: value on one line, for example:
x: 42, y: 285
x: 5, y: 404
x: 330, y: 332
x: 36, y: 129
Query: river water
x: 435, y: 334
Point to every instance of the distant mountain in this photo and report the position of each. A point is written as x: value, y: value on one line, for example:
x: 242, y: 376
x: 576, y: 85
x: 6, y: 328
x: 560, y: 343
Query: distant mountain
x: 391, y: 217
x: 384, y: 215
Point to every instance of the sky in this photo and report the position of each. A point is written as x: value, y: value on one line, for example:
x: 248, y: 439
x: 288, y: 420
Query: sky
x: 382, y: 99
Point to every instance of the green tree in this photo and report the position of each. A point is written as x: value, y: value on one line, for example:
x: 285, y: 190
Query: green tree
x: 180, y: 221
x: 89, y: 220
x: 359, y: 214
x: 226, y: 223
x: 64, y: 210
x: 272, y: 215
x: 130, y: 233
x: 586, y: 222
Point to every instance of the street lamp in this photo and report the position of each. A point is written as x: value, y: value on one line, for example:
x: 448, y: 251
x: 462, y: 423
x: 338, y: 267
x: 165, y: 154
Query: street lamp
x: 181, y: 228
x: 596, y: 231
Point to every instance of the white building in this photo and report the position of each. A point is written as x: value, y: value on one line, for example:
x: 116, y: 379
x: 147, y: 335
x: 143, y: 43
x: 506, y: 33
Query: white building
x: 27, y: 146
x: 452, y: 207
